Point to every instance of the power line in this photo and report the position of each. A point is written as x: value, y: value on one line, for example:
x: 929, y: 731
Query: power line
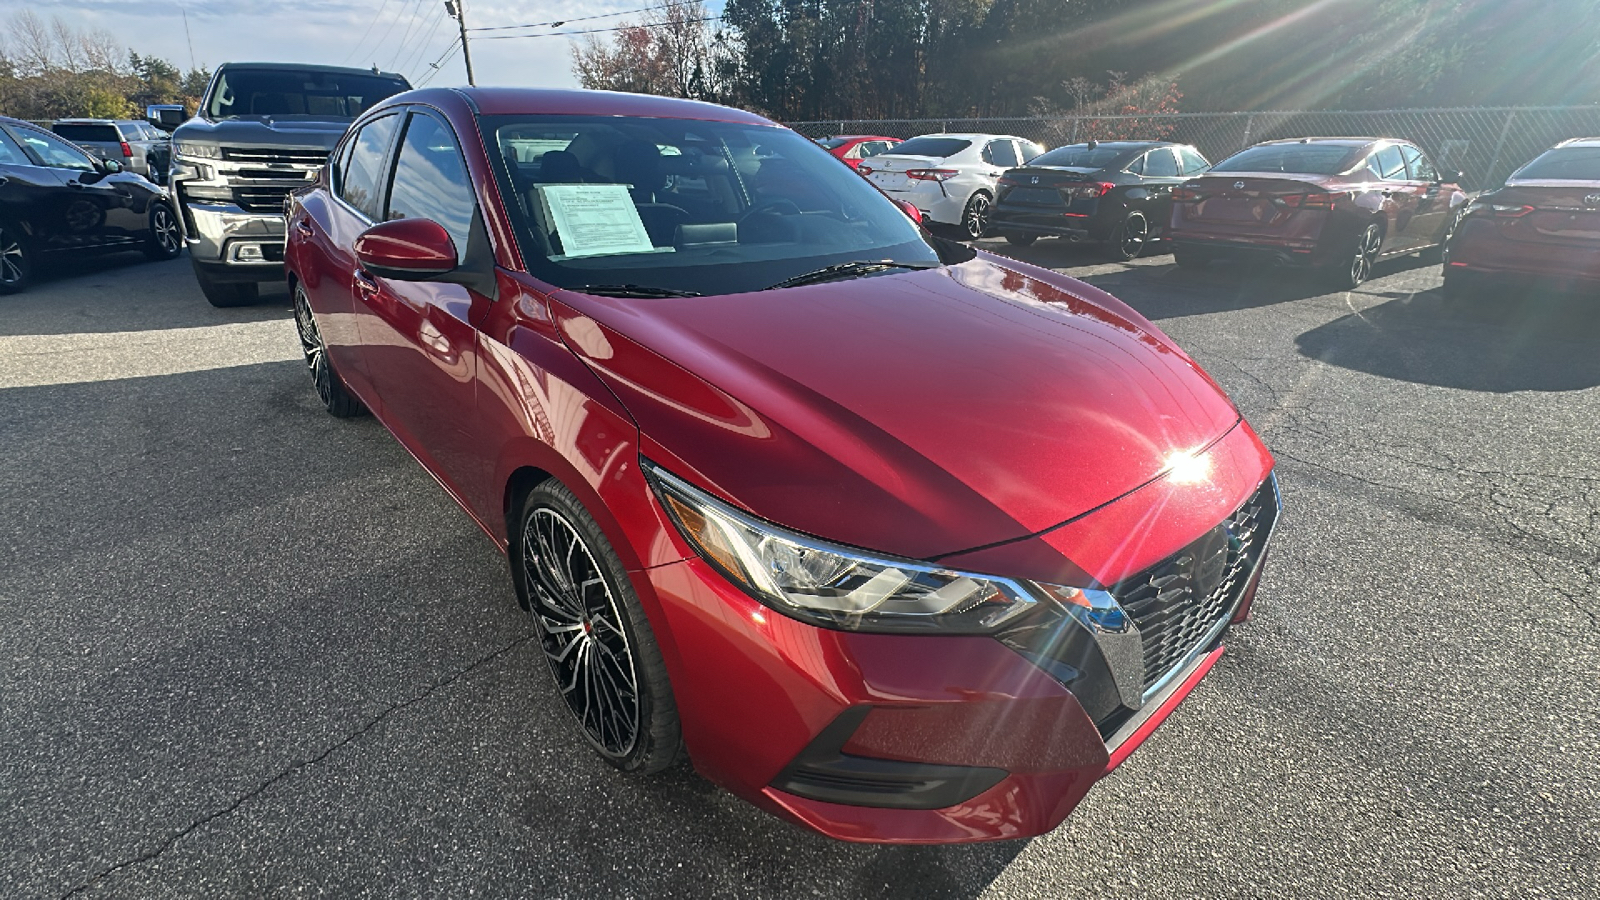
x: 437, y: 66
x: 421, y: 51
x: 508, y: 37
x: 557, y: 22
x: 365, y: 34
x: 405, y: 36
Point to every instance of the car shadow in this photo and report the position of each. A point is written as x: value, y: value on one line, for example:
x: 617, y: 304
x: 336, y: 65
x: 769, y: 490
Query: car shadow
x: 1512, y: 339
x: 123, y: 292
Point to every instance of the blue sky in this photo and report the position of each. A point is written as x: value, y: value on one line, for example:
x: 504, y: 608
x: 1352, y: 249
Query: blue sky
x: 403, y: 34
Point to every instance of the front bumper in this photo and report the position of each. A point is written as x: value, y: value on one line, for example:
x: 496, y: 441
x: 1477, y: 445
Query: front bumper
x: 890, y: 738
x: 249, y: 245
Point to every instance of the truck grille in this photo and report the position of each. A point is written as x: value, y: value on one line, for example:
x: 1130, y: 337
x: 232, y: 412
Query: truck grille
x: 1178, y: 602
x: 262, y: 198
x: 275, y: 155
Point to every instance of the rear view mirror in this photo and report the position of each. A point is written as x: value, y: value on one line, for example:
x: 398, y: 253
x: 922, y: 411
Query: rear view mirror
x: 165, y: 116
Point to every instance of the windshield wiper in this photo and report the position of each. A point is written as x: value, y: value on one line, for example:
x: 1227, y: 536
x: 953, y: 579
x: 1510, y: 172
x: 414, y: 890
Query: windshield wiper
x: 631, y: 290
x: 841, y: 271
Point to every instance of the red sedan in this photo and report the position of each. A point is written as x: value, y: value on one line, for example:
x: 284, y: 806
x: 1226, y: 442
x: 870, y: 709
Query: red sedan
x: 896, y: 539
x: 853, y: 148
x: 1543, y: 224
x: 1337, y: 205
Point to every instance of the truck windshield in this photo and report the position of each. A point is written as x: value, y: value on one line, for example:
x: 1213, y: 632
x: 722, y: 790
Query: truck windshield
x: 261, y: 92
x: 688, y: 206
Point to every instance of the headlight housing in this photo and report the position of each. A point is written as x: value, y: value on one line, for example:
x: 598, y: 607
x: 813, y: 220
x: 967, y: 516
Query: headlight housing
x: 196, y: 151
x: 834, y: 586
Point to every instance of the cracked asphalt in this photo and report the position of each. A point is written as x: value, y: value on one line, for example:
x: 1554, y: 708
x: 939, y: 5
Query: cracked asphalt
x: 247, y: 649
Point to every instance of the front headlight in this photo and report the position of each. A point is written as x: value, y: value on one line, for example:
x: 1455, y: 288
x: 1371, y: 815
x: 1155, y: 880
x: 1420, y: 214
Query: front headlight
x: 835, y: 586
x: 196, y: 151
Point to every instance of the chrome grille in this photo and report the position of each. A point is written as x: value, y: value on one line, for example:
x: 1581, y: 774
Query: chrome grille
x: 1177, y: 603
x: 275, y: 155
x: 261, y: 198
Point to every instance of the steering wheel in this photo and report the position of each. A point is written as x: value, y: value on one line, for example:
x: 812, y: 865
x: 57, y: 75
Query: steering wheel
x: 779, y: 207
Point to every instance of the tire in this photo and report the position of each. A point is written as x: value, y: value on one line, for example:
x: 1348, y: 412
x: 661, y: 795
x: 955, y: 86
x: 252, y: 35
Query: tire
x: 1021, y: 240
x: 16, y: 259
x: 1440, y: 252
x: 974, y: 219
x: 1190, y: 257
x: 165, y: 240
x: 1129, y: 239
x: 1355, y: 266
x: 593, y: 633
x: 331, y: 390
x: 226, y: 294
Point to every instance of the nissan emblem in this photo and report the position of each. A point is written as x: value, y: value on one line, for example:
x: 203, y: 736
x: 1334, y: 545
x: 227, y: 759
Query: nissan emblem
x: 1592, y: 200
x: 1238, y: 185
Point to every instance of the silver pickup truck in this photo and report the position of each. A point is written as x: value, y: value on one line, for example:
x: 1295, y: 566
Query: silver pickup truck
x: 140, y: 148
x: 263, y: 130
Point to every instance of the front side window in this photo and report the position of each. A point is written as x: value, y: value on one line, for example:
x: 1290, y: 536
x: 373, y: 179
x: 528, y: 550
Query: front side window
x: 1160, y: 163
x: 1418, y: 165
x: 361, y: 173
x: 684, y: 205
x: 52, y: 151
x: 430, y: 180
x: 10, y: 153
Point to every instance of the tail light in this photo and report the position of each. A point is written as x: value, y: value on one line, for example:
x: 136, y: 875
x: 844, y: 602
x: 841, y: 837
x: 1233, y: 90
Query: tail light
x: 126, y: 150
x: 931, y: 174
x: 1306, y: 201
x: 1087, y: 191
x: 864, y: 169
x: 1185, y: 195
x: 1510, y: 212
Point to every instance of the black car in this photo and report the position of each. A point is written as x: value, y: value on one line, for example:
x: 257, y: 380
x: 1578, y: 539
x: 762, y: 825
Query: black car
x: 57, y: 200
x: 1117, y: 193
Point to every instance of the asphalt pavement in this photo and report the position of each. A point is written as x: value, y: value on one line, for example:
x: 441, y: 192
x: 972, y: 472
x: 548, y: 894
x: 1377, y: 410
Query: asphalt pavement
x: 247, y: 649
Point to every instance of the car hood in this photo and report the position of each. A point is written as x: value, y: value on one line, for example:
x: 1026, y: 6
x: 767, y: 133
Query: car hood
x: 918, y: 414
x: 291, y: 132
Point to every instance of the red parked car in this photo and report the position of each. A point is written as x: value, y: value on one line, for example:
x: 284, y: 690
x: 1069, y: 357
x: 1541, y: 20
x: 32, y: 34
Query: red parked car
x: 896, y: 539
x: 1335, y: 204
x: 1544, y: 223
x: 853, y: 148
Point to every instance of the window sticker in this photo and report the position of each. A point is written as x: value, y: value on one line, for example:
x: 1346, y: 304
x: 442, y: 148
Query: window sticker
x: 594, y: 220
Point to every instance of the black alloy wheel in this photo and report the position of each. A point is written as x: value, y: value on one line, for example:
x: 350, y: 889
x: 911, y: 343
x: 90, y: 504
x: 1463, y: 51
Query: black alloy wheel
x: 593, y: 633
x: 335, y: 397
x: 1130, y: 238
x: 16, y: 260
x: 1357, y: 267
x: 165, y: 241
x: 975, y: 218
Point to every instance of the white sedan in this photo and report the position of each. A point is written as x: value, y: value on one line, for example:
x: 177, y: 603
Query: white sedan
x: 950, y: 178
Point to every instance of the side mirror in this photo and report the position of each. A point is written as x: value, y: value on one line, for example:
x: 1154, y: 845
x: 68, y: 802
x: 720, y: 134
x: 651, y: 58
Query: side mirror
x: 910, y: 210
x: 108, y: 166
x: 165, y: 116
x: 407, y: 250
x: 1457, y: 176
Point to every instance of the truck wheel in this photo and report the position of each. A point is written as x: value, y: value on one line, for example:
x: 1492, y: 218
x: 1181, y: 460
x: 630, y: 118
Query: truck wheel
x: 16, y: 259
x: 224, y: 294
x: 164, y: 241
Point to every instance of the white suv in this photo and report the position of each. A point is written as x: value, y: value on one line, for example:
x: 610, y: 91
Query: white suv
x: 950, y: 178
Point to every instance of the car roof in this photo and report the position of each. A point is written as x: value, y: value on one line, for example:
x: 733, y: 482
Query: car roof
x: 861, y: 137
x: 1333, y: 141
x: 976, y: 136
x: 500, y: 101
x: 1580, y: 142
x: 308, y: 67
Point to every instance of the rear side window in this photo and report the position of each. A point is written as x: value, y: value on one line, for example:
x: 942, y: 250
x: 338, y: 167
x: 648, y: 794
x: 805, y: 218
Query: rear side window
x: 936, y: 147
x: 430, y: 180
x: 1001, y: 153
x: 1193, y: 162
x: 1564, y: 163
x: 1160, y: 163
x: 361, y: 171
x: 10, y: 153
x: 1298, y: 159
x: 1030, y: 150
x: 1136, y: 167
x: 79, y: 132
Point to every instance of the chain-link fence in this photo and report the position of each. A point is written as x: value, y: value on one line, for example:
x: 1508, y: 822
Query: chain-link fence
x: 1485, y: 143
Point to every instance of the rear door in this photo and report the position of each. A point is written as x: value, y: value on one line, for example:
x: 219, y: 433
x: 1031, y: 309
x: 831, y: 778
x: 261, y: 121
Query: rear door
x: 1401, y: 199
x: 1433, y: 205
x: 1161, y: 175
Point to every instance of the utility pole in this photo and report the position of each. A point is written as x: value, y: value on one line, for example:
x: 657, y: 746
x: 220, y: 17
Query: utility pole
x: 457, y: 10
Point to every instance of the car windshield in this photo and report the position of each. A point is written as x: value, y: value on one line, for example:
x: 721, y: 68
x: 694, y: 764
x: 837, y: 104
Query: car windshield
x: 936, y: 147
x: 258, y: 92
x: 1564, y: 163
x: 687, y: 205
x: 80, y: 131
x: 1081, y: 156
x: 832, y: 143
x: 1298, y: 159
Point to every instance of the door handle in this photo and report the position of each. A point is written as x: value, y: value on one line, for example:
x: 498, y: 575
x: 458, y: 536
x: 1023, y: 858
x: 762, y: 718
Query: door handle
x: 303, y: 227
x: 76, y: 185
x: 3, y: 180
x: 364, y: 282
